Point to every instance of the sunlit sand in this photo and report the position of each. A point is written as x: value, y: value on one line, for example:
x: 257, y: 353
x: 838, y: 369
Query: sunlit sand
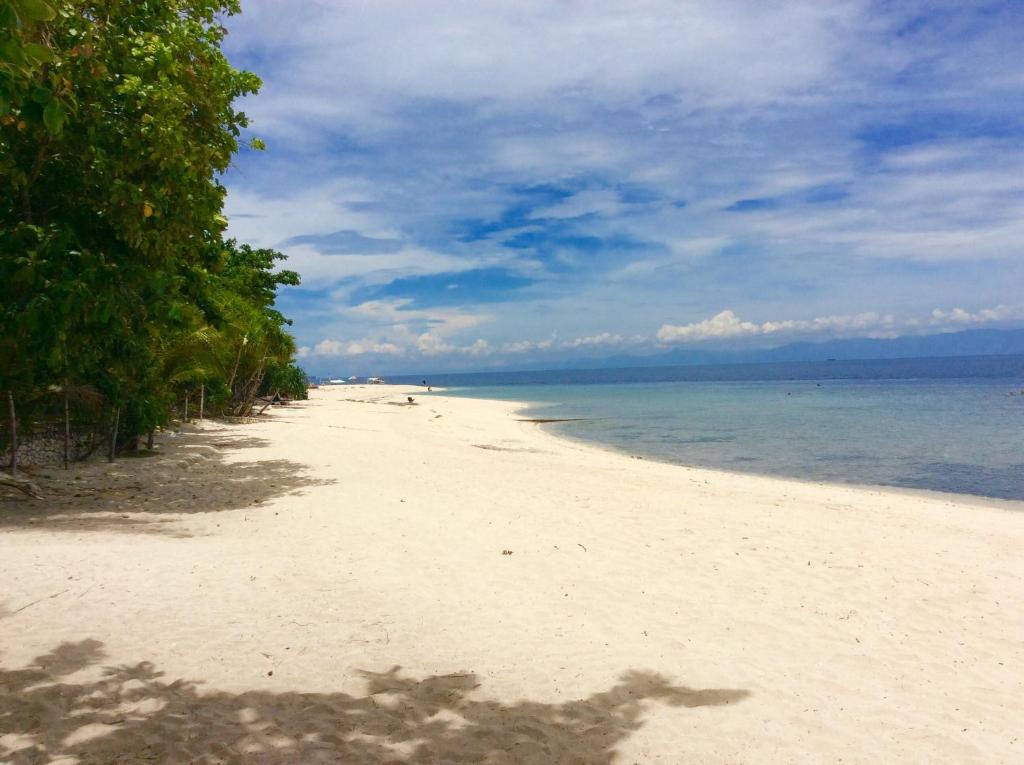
x: 358, y: 579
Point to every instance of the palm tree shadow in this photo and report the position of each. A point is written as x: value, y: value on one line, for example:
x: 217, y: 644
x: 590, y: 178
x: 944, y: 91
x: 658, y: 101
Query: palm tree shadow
x: 131, y: 715
x: 200, y: 473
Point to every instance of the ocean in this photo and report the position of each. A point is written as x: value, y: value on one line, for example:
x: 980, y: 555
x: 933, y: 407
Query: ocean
x: 942, y: 424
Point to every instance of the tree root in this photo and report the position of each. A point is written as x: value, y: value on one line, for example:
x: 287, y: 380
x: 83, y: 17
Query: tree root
x: 21, y: 485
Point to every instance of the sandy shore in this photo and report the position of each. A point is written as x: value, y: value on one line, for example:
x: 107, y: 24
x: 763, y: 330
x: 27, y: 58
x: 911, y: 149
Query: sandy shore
x: 358, y: 580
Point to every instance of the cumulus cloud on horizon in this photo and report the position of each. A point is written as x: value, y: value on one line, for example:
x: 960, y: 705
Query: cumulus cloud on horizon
x: 723, y: 326
x: 727, y: 325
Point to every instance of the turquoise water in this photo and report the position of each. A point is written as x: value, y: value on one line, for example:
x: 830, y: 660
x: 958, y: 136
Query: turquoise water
x: 953, y: 435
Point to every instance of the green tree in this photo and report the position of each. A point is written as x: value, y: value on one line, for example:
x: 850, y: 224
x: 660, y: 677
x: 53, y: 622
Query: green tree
x: 116, y: 121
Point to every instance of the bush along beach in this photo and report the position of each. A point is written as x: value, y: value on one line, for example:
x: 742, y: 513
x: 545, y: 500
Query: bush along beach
x: 122, y: 302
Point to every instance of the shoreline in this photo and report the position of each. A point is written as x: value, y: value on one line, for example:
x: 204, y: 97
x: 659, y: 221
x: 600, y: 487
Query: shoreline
x: 359, y: 579
x: 997, y: 503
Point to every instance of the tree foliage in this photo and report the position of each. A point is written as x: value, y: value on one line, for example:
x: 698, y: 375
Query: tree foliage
x: 116, y: 120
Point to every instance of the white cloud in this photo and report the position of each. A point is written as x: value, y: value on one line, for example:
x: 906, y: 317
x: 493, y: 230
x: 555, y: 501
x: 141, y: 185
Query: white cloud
x: 868, y: 322
x: 917, y: 209
x: 527, y: 346
x: 267, y: 216
x: 391, y: 50
x: 396, y: 311
x: 726, y: 325
x: 958, y: 316
x: 424, y: 330
x: 356, y: 348
x: 604, y: 338
x: 480, y: 348
x: 722, y: 325
x: 598, y: 201
x: 651, y: 119
x: 932, y: 155
x: 431, y: 344
x: 318, y: 269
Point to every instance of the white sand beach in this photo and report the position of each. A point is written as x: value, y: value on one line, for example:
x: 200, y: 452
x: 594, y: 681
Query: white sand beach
x: 356, y: 580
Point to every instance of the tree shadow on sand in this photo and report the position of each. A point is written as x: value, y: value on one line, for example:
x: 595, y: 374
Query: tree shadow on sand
x: 190, y: 474
x: 130, y: 715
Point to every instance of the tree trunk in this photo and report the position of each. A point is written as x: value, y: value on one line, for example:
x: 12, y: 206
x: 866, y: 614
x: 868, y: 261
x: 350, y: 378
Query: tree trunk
x: 149, y: 441
x: 249, y: 392
x: 238, y: 359
x: 113, y: 434
x: 67, y: 427
x: 202, y: 401
x: 186, y: 406
x: 14, y: 434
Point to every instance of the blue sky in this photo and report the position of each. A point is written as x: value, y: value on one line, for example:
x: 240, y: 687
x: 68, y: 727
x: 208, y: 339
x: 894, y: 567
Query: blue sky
x: 466, y: 185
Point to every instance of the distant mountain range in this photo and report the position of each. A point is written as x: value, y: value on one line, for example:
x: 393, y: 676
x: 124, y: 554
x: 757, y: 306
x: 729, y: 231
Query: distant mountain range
x: 971, y: 342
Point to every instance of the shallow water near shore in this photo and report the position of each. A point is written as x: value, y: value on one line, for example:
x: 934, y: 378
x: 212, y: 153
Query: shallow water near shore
x: 953, y: 435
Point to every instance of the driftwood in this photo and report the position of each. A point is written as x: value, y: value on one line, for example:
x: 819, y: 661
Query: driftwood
x: 21, y: 485
x: 269, y: 401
